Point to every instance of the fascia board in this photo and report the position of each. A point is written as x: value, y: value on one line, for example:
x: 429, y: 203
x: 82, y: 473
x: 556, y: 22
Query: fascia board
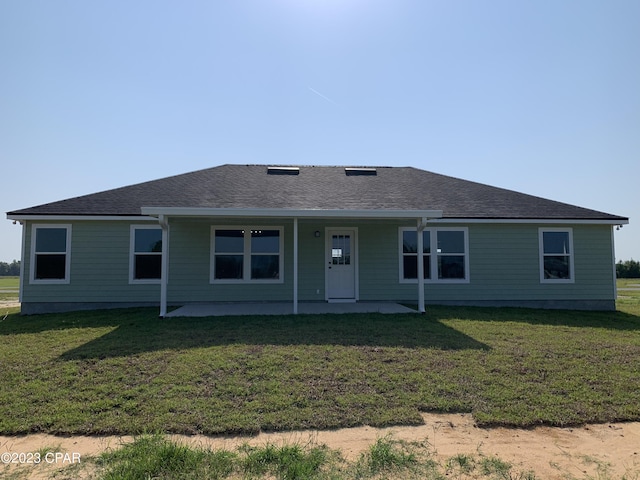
x: 56, y: 218
x: 550, y: 221
x: 150, y: 214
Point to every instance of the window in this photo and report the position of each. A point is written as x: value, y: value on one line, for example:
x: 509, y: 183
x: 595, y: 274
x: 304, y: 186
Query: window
x: 50, y: 253
x: 146, y: 254
x: 246, y: 254
x: 410, y: 253
x: 265, y: 254
x: 556, y: 255
x: 341, y: 249
x: 451, y: 254
x: 445, y: 255
x: 229, y: 254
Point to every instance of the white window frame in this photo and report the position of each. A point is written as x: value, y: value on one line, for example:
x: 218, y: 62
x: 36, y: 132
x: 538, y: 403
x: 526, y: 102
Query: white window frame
x: 246, y: 264
x: 32, y: 263
x: 433, y: 264
x: 541, y: 232
x: 132, y: 255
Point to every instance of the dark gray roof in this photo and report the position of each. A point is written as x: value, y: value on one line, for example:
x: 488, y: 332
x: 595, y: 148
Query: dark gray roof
x: 320, y: 187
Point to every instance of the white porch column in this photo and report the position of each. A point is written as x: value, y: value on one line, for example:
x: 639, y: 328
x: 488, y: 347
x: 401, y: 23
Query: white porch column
x: 164, y: 223
x: 295, y: 265
x: 422, y: 223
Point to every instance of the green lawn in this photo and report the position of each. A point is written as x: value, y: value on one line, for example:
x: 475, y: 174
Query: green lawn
x: 9, y: 287
x: 9, y: 283
x: 629, y: 292
x: 126, y: 371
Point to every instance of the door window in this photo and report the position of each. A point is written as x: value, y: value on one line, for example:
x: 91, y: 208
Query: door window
x: 341, y: 250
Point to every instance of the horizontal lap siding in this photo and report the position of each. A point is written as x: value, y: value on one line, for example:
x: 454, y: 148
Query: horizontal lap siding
x: 594, y: 261
x: 190, y: 260
x: 311, y: 260
x: 379, y: 265
x: 504, y: 265
x: 99, y: 268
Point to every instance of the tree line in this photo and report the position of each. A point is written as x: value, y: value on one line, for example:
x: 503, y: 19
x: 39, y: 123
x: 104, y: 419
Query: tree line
x: 10, y: 269
x: 628, y: 269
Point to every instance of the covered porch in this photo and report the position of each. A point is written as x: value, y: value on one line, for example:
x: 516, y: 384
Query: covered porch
x: 339, y: 275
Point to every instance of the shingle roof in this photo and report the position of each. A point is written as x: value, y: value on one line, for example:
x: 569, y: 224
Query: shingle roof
x: 320, y: 187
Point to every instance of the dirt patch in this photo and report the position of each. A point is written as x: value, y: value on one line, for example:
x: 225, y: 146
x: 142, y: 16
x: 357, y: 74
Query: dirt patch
x: 552, y: 453
x: 9, y: 304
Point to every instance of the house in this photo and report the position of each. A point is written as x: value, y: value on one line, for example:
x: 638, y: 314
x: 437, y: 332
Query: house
x: 240, y: 233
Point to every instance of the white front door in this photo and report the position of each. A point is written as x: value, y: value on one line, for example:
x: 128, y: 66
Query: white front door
x: 341, y: 265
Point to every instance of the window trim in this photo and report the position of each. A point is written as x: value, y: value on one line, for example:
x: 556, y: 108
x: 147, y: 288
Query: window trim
x: 246, y: 255
x: 67, y: 253
x: 132, y: 255
x: 433, y: 274
x: 541, y: 255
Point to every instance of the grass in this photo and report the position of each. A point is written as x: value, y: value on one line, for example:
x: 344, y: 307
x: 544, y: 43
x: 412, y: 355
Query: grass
x: 629, y: 291
x: 384, y: 456
x: 287, y: 462
x: 9, y: 283
x: 157, y: 457
x: 154, y: 456
x: 127, y: 372
x: 9, y: 287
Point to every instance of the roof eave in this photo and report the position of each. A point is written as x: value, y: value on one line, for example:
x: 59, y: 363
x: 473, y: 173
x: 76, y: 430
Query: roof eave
x: 21, y: 217
x: 151, y: 214
x: 547, y: 220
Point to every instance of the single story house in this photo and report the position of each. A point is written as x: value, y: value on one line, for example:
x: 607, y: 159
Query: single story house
x: 257, y: 233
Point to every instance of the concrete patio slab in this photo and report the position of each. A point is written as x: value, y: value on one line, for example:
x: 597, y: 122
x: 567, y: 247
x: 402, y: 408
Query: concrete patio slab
x: 224, y: 309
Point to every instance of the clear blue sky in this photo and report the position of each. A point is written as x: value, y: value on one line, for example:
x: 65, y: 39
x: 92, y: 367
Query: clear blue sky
x: 538, y: 96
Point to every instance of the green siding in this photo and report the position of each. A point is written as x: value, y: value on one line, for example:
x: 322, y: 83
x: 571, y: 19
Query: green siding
x: 99, y: 267
x: 190, y: 259
x: 504, y: 265
x: 311, y: 261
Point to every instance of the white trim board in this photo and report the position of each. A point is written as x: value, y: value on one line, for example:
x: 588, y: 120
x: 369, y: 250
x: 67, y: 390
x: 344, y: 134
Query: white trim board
x: 541, y: 221
x: 67, y: 218
x: 288, y: 213
x: 150, y: 214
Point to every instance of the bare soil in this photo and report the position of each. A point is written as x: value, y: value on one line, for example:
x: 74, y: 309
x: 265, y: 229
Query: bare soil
x: 610, y: 450
x: 9, y: 304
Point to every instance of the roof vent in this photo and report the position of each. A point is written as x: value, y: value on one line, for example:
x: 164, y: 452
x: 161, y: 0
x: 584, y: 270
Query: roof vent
x: 283, y: 170
x: 353, y: 171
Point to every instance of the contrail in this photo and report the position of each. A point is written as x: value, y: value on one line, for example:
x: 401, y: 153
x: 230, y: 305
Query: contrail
x: 321, y: 95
